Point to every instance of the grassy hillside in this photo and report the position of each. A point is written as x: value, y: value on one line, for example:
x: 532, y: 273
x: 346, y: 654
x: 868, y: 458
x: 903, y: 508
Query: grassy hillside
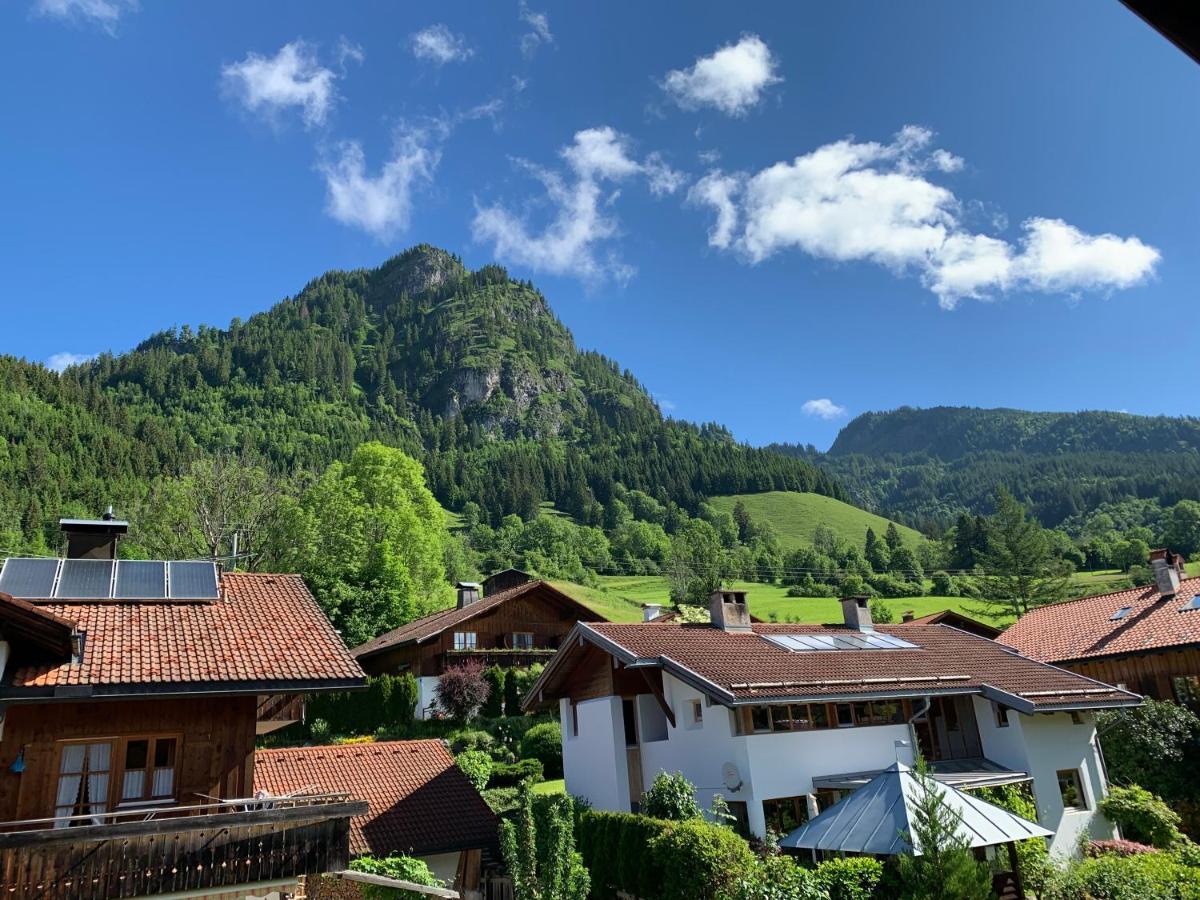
x: 795, y: 517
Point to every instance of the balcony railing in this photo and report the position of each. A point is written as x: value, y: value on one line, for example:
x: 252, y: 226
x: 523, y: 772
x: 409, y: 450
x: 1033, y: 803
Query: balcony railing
x: 215, y: 846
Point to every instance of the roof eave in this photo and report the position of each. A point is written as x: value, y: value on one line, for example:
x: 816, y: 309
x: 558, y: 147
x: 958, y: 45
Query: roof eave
x: 74, y: 693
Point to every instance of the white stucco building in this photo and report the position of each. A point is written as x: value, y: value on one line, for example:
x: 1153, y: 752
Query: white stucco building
x: 780, y: 719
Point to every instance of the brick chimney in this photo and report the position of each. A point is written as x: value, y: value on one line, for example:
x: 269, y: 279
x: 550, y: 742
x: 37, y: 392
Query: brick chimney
x: 468, y: 593
x: 907, y: 616
x: 728, y: 611
x: 93, y: 538
x: 856, y: 612
x: 1168, y: 569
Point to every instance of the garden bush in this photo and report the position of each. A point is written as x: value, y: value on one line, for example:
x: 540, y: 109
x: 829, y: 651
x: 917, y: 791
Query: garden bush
x: 493, y: 707
x: 850, y: 878
x: 461, y: 690
x: 701, y: 861
x: 777, y: 877
x: 671, y: 797
x: 502, y: 800
x: 402, y: 868
x: 1117, y: 847
x: 477, y: 766
x: 1142, y: 816
x: 544, y: 743
x: 471, y: 739
x: 512, y: 774
x: 1111, y: 877
x: 388, y: 703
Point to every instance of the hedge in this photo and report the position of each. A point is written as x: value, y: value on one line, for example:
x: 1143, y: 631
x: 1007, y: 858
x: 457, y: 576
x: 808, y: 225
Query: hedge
x: 512, y: 774
x: 389, y: 702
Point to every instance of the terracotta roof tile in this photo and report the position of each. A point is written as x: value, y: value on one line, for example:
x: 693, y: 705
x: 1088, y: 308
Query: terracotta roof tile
x: 418, y: 802
x: 263, y: 628
x: 749, y: 667
x: 1080, y: 629
x: 435, y: 623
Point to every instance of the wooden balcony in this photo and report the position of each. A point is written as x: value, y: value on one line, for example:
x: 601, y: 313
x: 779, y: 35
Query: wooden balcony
x: 215, y: 847
x: 501, y: 656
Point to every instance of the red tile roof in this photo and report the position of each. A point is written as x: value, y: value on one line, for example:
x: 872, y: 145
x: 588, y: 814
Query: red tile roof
x: 744, y: 666
x: 957, y: 620
x: 1081, y: 629
x: 264, y: 628
x: 418, y: 802
x: 421, y: 630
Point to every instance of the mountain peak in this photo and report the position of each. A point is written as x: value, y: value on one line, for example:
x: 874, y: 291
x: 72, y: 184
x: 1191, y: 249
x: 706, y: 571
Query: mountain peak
x: 420, y: 270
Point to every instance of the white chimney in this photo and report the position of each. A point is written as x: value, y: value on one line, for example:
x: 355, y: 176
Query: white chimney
x: 468, y: 593
x: 651, y: 611
x: 1166, y: 575
x: 728, y: 611
x: 856, y: 612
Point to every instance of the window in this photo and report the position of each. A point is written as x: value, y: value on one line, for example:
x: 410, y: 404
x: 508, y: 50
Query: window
x: 696, y: 716
x: 782, y: 717
x: 819, y: 713
x: 760, y: 718
x: 149, y: 769
x: 522, y: 640
x: 465, y: 640
x: 84, y: 770
x: 629, y: 714
x: 741, y: 817
x: 1121, y: 613
x: 1001, y: 714
x: 845, y: 715
x: 1070, y: 787
x: 574, y: 718
x: 786, y: 814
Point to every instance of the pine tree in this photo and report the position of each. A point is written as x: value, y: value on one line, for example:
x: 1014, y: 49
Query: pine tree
x: 892, y: 537
x: 1022, y: 571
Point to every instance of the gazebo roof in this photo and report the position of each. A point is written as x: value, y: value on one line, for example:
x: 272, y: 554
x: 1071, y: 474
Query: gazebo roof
x: 876, y: 818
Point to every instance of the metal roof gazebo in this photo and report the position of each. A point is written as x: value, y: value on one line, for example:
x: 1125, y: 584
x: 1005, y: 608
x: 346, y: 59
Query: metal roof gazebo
x: 876, y: 819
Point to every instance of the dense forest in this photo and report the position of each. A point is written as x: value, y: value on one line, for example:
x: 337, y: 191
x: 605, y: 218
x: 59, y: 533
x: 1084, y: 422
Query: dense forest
x: 469, y: 372
x: 926, y: 467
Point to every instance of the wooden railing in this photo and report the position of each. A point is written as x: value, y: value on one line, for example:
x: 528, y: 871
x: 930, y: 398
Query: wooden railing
x: 144, y: 852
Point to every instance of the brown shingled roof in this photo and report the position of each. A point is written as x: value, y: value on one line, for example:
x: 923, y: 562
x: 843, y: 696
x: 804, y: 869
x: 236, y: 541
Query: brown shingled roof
x: 420, y: 630
x: 1082, y: 629
x: 744, y: 667
x: 265, y: 631
x: 418, y: 801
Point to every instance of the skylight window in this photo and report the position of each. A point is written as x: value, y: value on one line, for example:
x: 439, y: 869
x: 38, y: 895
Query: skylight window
x: 871, y: 640
x: 1121, y: 613
x: 1194, y: 603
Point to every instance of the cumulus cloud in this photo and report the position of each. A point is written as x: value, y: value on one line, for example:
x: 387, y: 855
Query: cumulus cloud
x: 539, y: 30
x: 379, y: 204
x: 439, y: 45
x: 59, y: 361
x: 732, y: 79
x: 866, y: 201
x: 823, y: 408
x: 292, y: 78
x: 105, y: 13
x: 581, y: 205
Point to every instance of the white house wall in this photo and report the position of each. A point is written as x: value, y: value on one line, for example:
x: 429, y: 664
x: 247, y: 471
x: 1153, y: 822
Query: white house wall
x: 594, y: 761
x: 426, y: 696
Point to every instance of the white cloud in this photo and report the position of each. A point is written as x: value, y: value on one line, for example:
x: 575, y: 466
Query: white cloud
x: 381, y: 204
x: 348, y: 51
x: 59, y: 361
x: 105, y: 13
x: 709, y: 157
x: 439, y: 45
x: 864, y: 201
x: 539, y: 30
x: 732, y: 79
x: 581, y: 218
x: 268, y: 85
x: 823, y: 408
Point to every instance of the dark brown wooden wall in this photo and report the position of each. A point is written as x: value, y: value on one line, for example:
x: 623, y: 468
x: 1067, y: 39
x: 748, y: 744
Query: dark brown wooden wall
x: 216, y: 749
x: 1145, y: 673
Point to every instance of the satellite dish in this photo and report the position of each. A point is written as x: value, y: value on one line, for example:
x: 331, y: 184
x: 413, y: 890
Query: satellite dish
x: 731, y: 777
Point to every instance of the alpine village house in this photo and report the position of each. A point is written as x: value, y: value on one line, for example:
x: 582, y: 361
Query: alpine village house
x: 132, y: 693
x: 512, y: 621
x: 782, y: 720
x: 1145, y: 638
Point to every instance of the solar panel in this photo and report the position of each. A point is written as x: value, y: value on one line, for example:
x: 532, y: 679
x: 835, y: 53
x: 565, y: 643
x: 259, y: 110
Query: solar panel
x: 871, y: 640
x: 85, y: 579
x: 139, y: 579
x: 29, y: 578
x: 193, y: 580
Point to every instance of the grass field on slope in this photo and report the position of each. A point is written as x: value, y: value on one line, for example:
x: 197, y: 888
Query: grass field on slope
x: 795, y: 517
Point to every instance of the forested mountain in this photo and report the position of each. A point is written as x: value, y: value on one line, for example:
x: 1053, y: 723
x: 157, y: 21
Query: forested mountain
x: 927, y: 466
x: 468, y: 371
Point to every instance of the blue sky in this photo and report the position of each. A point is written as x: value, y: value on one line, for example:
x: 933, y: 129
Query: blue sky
x: 777, y: 215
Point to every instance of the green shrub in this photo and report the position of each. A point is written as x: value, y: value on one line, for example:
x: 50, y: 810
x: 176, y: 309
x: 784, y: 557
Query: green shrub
x: 493, y: 706
x: 538, y: 843
x: 502, y: 800
x: 544, y: 743
x: 512, y: 695
x: 477, y: 766
x: 471, y: 739
x: 1111, y: 877
x: 777, y: 877
x: 701, y: 861
x: 671, y: 797
x: 388, y: 703
x: 850, y: 878
x: 319, y: 731
x: 402, y: 868
x: 943, y: 585
x: 1142, y: 816
x: 513, y: 774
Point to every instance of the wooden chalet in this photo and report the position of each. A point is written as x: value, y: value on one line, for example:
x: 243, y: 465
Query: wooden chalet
x: 954, y: 620
x: 516, y: 626
x: 132, y: 692
x: 1146, y: 639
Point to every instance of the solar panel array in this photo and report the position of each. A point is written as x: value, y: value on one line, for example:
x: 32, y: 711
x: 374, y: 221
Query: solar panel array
x: 864, y: 640
x: 106, y: 579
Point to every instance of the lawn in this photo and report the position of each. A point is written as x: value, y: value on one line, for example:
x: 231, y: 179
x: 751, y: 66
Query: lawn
x: 557, y: 786
x: 795, y: 517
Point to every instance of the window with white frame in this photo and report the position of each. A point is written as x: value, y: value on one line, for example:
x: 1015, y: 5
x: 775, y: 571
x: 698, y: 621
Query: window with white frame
x: 522, y: 640
x: 695, y: 714
x: 1070, y: 788
x: 465, y: 640
x: 149, y: 769
x: 84, y: 770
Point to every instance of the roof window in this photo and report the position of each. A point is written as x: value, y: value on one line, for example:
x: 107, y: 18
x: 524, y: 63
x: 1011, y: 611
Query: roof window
x: 1194, y: 603
x: 1121, y: 613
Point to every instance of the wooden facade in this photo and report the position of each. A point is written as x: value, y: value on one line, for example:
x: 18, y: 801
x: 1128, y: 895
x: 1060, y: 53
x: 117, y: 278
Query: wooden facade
x: 538, y: 613
x: 1171, y: 673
